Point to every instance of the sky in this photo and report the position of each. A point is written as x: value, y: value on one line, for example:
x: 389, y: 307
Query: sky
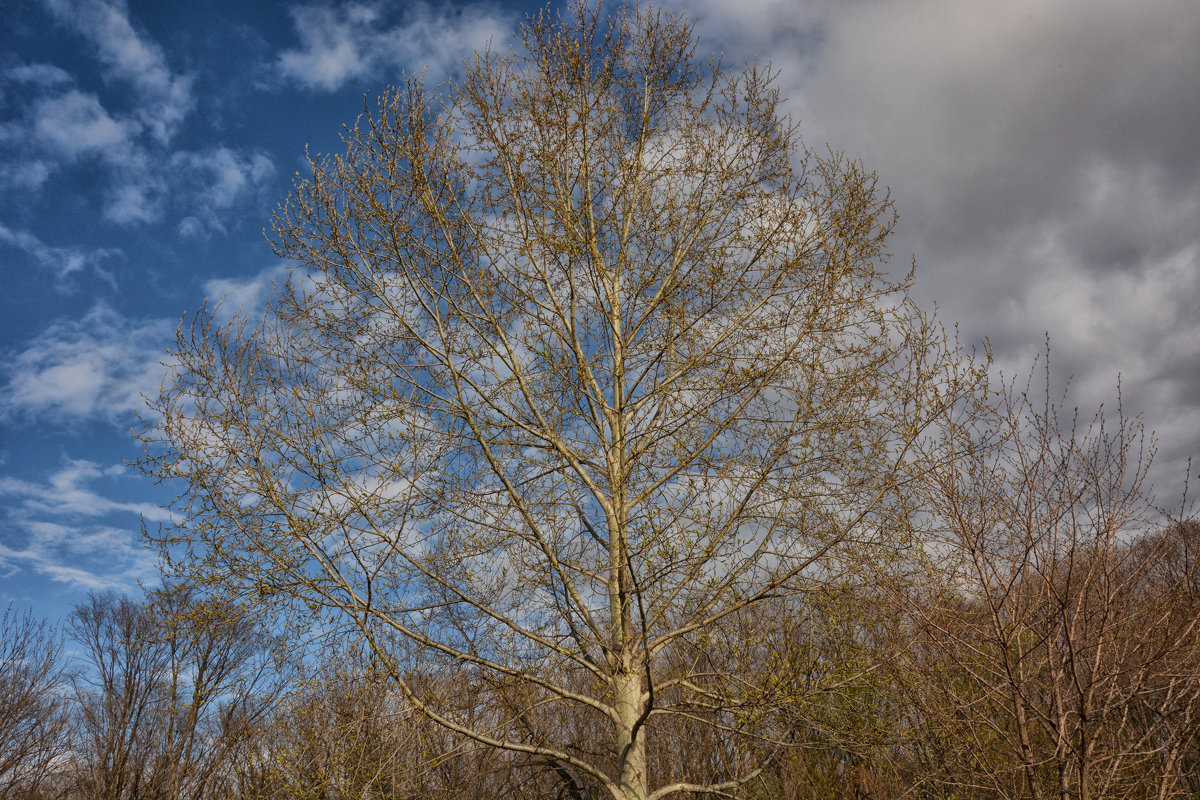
x: 1043, y: 156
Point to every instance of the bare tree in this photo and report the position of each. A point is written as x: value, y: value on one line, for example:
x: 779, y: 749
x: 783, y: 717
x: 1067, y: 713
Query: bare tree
x: 340, y: 734
x: 1059, y: 648
x: 343, y: 731
x: 33, y: 710
x: 167, y: 690
x: 116, y: 696
x: 590, y: 358
x: 220, y: 684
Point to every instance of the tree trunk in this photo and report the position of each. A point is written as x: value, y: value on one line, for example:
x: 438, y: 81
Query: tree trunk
x: 631, y: 740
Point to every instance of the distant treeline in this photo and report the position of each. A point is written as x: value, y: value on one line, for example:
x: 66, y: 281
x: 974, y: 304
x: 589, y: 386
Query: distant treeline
x: 1007, y: 675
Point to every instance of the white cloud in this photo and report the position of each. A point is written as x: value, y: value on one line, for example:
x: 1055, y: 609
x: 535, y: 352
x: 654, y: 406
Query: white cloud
x: 30, y: 174
x: 191, y: 227
x: 127, y: 131
x: 349, y: 41
x: 64, y: 522
x: 136, y: 201
x: 332, y: 50
x: 165, y: 99
x: 67, y: 493
x: 72, y: 126
x: 44, y: 554
x: 38, y: 75
x: 143, y: 181
x: 98, y: 367
x: 230, y: 296
x: 75, y: 124
x: 233, y: 175
x: 213, y: 181
x: 63, y: 261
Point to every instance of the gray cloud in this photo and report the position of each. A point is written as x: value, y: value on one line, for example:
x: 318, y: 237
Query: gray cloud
x: 1042, y: 156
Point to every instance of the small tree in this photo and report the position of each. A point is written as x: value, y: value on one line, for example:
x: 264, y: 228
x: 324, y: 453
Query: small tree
x: 33, y: 711
x: 590, y: 357
x: 116, y: 696
x: 166, y: 693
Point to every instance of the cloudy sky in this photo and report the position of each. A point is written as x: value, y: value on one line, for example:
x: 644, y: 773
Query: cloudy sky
x: 1042, y: 153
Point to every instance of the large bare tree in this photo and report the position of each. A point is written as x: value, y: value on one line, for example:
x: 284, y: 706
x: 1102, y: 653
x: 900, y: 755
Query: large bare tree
x: 587, y: 358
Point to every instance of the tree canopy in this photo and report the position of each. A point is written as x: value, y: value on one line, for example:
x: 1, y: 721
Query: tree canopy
x: 589, y: 382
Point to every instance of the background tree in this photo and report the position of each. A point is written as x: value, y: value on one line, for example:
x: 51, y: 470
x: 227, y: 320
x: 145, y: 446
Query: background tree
x: 220, y: 685
x: 590, y: 358
x: 342, y: 733
x: 33, y: 708
x: 116, y: 696
x: 1058, y: 647
x: 167, y: 690
x: 345, y: 731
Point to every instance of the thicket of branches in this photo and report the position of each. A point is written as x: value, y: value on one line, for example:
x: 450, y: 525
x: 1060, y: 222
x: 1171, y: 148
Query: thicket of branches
x: 160, y: 699
x: 1043, y: 642
x: 1038, y: 656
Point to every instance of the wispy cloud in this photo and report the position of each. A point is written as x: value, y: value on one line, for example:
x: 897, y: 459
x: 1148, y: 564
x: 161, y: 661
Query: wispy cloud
x: 67, y: 494
x: 128, y: 129
x: 75, y: 126
x: 350, y: 41
x: 62, y: 261
x: 98, y: 367
x: 145, y: 179
x: 165, y: 99
x: 37, y: 75
x: 27, y: 174
x: 138, y: 199
x: 216, y: 180
x: 68, y: 532
x: 227, y: 175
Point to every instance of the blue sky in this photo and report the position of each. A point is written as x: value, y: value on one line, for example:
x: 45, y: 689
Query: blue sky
x: 1042, y: 154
